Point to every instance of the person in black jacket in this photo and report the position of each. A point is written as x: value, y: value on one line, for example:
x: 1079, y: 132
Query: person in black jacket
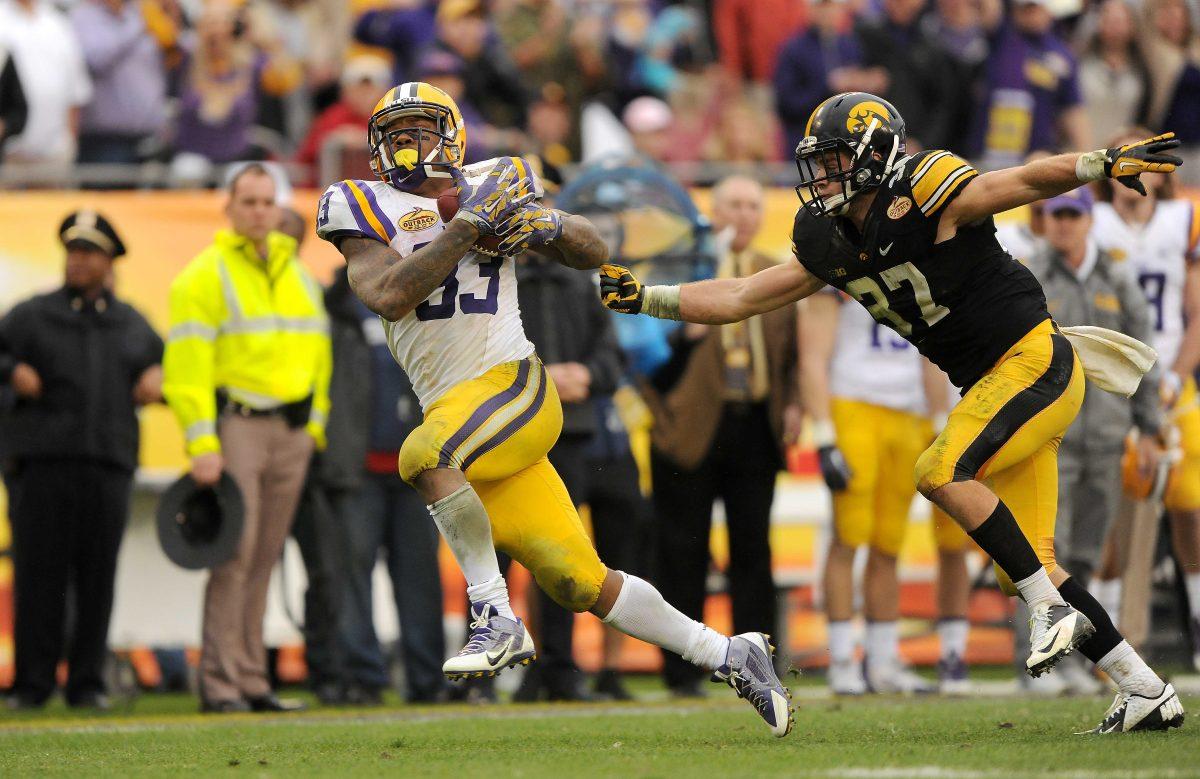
x: 80, y: 362
x: 575, y: 338
x: 14, y: 109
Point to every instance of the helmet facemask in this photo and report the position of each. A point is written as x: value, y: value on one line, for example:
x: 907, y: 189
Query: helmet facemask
x: 871, y: 159
x: 407, y: 155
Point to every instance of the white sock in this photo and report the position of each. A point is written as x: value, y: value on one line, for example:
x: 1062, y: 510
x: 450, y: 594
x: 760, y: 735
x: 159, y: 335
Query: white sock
x: 841, y: 641
x: 882, y: 644
x: 1192, y: 582
x: 493, y: 591
x: 1130, y: 672
x: 952, y: 635
x: 1038, y: 589
x: 641, y: 612
x: 464, y: 524
x: 1108, y: 593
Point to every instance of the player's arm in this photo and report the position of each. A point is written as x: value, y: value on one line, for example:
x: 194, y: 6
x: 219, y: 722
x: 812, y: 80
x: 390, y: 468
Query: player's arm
x: 710, y: 302
x: 579, y: 245
x: 936, y: 387
x: 392, y: 288
x: 1001, y: 190
x: 818, y: 333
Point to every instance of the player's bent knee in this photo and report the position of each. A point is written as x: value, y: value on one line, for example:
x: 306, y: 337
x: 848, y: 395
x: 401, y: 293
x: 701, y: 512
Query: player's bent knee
x: 568, y: 588
x: 418, y: 454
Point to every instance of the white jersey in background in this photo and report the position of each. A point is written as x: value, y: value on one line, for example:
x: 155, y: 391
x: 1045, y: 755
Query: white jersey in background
x: 470, y: 323
x: 1158, y: 254
x: 874, y: 365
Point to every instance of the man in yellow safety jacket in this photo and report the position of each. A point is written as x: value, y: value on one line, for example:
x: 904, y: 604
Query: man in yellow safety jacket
x: 246, y: 372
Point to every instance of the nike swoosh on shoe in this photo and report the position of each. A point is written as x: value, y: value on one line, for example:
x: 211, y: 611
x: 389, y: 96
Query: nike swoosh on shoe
x: 494, y: 660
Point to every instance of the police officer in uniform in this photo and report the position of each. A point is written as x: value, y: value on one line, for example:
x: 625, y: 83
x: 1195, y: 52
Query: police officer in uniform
x: 79, y: 362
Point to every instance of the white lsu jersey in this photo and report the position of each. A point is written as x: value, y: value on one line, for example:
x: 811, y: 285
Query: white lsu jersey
x: 1158, y: 253
x: 470, y: 323
x: 873, y: 364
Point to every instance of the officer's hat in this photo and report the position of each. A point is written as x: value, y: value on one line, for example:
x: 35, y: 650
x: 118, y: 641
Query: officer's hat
x: 92, y: 228
x: 200, y: 527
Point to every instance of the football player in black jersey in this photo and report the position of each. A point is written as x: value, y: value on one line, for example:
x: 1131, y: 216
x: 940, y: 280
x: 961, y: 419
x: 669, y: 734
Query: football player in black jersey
x: 912, y: 239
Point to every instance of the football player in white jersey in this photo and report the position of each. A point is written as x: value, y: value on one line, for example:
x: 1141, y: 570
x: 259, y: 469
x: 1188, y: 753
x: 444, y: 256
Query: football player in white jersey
x: 874, y: 401
x: 490, y: 412
x: 1157, y: 236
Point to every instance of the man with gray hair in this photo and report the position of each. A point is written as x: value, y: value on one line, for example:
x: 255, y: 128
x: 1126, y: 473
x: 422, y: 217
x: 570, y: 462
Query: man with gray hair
x: 1085, y: 285
x: 724, y: 405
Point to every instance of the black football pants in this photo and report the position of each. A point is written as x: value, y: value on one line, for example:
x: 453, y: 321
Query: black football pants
x: 68, y: 517
x: 740, y: 469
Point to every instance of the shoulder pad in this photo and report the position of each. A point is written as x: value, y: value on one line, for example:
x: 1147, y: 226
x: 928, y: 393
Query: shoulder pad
x: 352, y: 207
x: 935, y: 178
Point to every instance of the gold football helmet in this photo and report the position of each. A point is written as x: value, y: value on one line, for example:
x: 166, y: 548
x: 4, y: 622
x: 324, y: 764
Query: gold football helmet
x: 406, y: 155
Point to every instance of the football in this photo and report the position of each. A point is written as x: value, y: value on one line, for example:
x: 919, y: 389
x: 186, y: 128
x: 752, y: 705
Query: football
x: 447, y: 204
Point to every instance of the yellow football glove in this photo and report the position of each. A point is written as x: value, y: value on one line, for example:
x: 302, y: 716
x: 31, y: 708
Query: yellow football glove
x: 1127, y: 163
x: 620, y: 290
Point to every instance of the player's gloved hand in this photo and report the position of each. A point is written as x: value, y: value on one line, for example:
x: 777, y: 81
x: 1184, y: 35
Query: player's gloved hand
x: 834, y: 468
x: 532, y: 225
x: 1127, y: 163
x: 508, y: 186
x: 620, y: 290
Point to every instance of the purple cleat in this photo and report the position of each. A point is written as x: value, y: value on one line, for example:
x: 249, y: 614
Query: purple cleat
x: 748, y: 670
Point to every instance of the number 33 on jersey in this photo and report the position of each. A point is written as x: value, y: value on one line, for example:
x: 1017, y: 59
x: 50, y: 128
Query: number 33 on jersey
x: 945, y: 298
x: 472, y: 315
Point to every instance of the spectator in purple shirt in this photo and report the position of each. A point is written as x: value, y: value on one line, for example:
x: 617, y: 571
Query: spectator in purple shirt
x: 1032, y: 98
x: 229, y: 68
x: 128, y: 79
x: 404, y: 29
x: 817, y: 62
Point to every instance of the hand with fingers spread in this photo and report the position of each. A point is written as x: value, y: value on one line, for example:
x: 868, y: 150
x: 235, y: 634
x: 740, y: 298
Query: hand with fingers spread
x: 620, y: 290
x: 1127, y: 163
x: 532, y: 225
x: 488, y: 204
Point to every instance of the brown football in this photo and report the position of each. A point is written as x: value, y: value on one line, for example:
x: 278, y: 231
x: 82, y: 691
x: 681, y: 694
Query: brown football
x: 447, y: 204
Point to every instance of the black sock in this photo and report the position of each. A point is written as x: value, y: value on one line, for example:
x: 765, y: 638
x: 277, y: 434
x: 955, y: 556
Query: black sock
x: 1106, y: 636
x: 1004, y: 542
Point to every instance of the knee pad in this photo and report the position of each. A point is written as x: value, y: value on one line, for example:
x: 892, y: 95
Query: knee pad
x: 568, y: 588
x: 418, y: 454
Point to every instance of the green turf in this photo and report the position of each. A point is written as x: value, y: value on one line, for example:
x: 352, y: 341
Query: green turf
x: 997, y: 737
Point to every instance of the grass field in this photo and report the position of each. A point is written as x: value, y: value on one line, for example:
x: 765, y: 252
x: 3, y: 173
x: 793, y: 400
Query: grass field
x: 720, y: 736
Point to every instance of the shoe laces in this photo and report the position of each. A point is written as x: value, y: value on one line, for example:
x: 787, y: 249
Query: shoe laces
x: 481, y: 631
x: 747, y: 690
x: 1039, y: 618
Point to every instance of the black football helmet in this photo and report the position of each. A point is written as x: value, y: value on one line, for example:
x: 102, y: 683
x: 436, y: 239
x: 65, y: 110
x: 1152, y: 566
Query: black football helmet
x: 859, y: 127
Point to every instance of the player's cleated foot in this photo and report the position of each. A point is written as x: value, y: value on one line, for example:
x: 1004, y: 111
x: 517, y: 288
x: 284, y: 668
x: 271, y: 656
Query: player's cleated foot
x: 1054, y: 632
x: 952, y: 676
x: 1130, y: 712
x: 891, y: 677
x: 749, y: 671
x: 496, y: 642
x: 846, y: 678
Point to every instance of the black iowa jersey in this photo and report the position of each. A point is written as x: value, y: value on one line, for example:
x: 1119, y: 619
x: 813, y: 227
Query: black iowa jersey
x: 963, y: 302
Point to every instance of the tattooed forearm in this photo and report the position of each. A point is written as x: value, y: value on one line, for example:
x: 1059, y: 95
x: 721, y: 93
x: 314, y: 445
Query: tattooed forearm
x: 580, y: 245
x: 392, y: 288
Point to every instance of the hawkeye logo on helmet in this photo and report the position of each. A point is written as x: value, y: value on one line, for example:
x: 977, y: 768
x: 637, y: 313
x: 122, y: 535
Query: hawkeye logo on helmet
x: 862, y: 114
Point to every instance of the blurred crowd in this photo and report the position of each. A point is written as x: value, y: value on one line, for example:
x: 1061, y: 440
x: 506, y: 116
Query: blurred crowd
x: 194, y: 84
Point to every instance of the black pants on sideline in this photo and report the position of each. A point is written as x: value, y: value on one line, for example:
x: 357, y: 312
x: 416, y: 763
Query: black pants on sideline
x: 740, y: 469
x: 322, y: 543
x: 68, y: 518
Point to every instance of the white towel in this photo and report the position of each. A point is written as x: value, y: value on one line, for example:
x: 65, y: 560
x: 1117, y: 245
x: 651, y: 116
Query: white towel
x: 1112, y: 361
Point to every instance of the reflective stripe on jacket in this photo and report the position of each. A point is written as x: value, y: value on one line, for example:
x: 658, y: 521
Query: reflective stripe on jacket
x: 255, y: 329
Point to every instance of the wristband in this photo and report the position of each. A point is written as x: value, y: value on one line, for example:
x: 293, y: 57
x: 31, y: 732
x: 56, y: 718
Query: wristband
x: 1090, y: 166
x: 661, y: 302
x: 823, y: 433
